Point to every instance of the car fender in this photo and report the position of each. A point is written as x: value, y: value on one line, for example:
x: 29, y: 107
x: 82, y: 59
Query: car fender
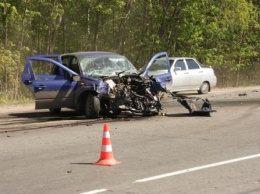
x: 89, y: 85
x: 209, y: 76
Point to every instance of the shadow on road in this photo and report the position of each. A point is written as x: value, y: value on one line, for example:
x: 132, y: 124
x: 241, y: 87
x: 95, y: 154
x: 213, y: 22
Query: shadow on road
x: 82, y: 163
x: 188, y: 115
x: 65, y: 115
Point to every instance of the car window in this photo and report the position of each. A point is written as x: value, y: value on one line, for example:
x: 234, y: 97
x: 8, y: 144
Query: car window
x: 44, y: 70
x: 180, y: 63
x: 106, y: 66
x: 74, y: 65
x: 66, y: 61
x: 192, y: 64
x: 158, y: 67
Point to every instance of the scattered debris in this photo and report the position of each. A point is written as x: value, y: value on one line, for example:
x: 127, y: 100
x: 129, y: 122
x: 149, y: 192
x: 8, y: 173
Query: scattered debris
x: 196, y: 106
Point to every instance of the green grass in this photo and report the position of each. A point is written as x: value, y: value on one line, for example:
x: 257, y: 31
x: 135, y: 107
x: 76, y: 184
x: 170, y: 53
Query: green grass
x: 4, y: 102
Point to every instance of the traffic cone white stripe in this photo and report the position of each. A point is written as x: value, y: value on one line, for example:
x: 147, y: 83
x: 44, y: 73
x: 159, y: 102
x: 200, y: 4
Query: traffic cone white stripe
x: 106, y: 134
x: 106, y: 148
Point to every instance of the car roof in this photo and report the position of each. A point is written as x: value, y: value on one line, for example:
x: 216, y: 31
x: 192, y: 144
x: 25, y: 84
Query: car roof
x: 79, y: 54
x: 175, y: 58
x: 91, y: 53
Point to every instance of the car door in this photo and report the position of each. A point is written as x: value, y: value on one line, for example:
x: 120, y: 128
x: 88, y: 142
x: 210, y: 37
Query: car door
x: 50, y: 82
x: 180, y: 75
x: 195, y: 74
x: 159, y: 67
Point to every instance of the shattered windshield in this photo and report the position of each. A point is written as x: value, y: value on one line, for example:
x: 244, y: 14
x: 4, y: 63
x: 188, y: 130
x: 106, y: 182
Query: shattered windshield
x: 98, y: 66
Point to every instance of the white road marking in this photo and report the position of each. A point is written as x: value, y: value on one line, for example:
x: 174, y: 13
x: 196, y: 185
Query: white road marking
x: 95, y: 191
x: 196, y: 168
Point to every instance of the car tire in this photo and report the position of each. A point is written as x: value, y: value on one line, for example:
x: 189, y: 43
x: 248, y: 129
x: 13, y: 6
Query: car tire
x: 204, y: 88
x: 55, y: 110
x: 92, y: 106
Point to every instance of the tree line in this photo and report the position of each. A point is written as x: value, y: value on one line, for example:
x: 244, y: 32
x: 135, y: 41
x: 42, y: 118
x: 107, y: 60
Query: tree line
x: 224, y: 34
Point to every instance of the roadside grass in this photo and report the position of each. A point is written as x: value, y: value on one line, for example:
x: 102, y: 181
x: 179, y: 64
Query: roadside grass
x: 4, y: 102
x: 8, y: 98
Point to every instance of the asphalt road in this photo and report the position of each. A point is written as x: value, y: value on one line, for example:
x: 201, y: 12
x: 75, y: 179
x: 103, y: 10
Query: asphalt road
x: 175, y: 153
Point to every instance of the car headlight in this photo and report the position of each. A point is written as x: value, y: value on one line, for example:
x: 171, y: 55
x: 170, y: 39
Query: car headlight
x: 102, y: 89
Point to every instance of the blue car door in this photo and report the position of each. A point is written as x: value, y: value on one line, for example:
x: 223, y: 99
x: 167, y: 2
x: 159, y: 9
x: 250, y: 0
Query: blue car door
x: 50, y: 82
x: 159, y: 67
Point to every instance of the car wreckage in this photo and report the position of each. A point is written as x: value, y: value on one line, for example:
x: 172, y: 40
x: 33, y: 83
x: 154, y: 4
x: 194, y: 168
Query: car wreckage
x: 100, y: 84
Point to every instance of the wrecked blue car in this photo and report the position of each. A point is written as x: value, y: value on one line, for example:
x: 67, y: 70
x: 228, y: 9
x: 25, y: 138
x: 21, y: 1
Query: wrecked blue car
x: 93, y: 83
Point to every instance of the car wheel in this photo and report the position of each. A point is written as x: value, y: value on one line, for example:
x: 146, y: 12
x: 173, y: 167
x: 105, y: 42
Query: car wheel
x: 204, y: 88
x: 55, y: 110
x: 92, y: 107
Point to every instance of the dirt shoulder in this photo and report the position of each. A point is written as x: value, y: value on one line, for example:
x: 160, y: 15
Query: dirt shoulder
x: 239, y: 93
x: 229, y: 93
x: 17, y: 108
x: 235, y: 89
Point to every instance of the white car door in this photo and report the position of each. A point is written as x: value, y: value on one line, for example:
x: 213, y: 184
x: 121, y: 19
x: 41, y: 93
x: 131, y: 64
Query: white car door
x: 195, y: 74
x: 180, y: 75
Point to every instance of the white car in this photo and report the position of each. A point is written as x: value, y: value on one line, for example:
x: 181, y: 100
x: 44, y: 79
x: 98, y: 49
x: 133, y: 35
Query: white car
x: 183, y: 74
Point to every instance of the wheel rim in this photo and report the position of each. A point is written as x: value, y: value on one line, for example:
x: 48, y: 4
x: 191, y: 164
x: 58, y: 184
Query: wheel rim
x: 204, y: 88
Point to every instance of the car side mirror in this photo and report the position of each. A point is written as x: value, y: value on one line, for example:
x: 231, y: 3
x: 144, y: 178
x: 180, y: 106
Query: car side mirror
x: 177, y: 68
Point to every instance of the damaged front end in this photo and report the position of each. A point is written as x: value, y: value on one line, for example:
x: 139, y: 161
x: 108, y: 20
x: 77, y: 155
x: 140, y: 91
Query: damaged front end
x: 130, y: 95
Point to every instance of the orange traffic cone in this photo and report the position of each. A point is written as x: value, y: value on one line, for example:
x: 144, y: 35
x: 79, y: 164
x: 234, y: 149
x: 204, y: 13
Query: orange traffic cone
x: 106, y: 154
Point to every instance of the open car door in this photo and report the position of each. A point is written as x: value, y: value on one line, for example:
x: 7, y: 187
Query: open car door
x: 159, y: 68
x: 52, y: 84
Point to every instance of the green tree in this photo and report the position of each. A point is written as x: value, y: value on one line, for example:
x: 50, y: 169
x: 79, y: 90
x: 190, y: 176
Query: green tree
x: 224, y: 34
